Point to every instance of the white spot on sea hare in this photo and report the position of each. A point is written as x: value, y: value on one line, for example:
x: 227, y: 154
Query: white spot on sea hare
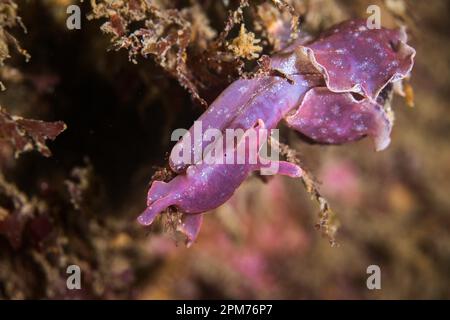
x: 336, y: 109
x: 243, y: 89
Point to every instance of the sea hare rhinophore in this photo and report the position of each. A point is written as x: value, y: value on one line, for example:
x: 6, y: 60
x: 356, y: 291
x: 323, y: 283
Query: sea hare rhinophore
x: 334, y: 90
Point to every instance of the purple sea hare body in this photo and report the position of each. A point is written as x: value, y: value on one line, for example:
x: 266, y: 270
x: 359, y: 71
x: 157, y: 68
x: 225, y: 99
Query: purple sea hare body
x: 336, y: 118
x: 333, y: 90
x: 207, y: 185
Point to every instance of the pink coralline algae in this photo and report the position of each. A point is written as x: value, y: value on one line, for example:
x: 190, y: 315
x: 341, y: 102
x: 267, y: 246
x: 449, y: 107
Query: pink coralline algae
x: 334, y: 90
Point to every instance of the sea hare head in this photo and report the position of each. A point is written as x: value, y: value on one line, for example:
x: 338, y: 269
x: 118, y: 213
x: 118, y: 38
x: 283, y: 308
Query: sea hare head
x: 353, y: 58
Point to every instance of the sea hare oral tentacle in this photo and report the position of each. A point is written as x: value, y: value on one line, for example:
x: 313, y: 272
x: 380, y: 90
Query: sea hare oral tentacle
x: 334, y: 90
x: 337, y: 118
x: 190, y: 226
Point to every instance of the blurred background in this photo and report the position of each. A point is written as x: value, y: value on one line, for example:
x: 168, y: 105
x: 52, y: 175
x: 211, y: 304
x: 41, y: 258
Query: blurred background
x: 79, y: 205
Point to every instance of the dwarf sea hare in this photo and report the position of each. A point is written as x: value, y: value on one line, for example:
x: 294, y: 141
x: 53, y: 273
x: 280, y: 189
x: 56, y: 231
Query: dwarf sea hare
x: 334, y: 90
